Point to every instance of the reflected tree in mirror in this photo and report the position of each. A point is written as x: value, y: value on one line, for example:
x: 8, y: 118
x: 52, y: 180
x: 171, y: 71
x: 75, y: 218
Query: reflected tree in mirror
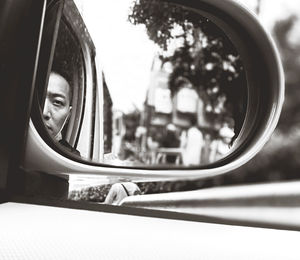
x: 174, y: 95
x: 196, y: 102
x: 205, y: 57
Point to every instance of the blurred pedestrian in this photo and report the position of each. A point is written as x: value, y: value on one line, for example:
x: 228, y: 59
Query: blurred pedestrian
x: 193, y: 146
x: 170, y: 141
x: 221, y: 146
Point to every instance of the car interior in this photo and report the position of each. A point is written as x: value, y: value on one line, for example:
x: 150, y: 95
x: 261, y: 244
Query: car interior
x: 131, y: 130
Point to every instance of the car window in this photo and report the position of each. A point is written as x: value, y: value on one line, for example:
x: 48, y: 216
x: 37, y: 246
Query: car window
x: 68, y: 62
x: 67, y: 85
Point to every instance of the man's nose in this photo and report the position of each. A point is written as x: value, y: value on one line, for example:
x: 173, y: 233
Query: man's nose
x: 46, y: 110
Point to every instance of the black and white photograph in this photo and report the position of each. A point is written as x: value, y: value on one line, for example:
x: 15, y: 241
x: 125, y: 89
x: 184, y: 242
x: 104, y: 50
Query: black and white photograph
x: 149, y: 129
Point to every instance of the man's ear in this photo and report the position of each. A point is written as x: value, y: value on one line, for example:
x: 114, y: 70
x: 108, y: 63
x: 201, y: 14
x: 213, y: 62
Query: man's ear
x: 69, y: 114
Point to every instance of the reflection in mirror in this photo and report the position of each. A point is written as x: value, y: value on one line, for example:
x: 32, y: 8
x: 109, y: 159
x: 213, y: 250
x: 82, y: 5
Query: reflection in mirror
x: 171, y: 91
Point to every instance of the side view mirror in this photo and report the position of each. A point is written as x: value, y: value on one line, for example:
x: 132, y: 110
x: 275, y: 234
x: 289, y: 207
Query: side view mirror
x: 195, y: 91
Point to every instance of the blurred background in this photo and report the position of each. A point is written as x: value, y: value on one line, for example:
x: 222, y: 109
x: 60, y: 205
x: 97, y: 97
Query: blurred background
x: 279, y: 160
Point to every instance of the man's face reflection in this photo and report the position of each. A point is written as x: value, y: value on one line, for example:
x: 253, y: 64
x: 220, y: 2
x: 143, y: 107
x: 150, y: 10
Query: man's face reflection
x: 57, y: 105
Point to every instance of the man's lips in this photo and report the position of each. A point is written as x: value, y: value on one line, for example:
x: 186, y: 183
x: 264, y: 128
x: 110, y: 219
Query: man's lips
x: 49, y: 128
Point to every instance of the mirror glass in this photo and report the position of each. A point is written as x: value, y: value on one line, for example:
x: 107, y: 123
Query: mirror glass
x: 143, y: 84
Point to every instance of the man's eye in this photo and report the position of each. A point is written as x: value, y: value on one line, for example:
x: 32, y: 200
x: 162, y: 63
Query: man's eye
x: 58, y: 103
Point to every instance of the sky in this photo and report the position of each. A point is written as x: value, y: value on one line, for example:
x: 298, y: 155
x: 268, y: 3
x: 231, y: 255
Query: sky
x: 126, y: 54
x: 124, y: 50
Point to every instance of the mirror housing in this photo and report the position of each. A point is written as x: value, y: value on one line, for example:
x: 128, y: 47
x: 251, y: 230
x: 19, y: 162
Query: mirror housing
x: 265, y: 98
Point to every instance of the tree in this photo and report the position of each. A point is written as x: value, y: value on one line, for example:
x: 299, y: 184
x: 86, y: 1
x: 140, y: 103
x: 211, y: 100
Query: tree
x: 206, y: 56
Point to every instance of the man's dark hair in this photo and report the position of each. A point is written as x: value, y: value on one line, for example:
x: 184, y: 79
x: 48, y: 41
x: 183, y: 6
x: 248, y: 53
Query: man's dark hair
x: 63, y: 68
x: 68, y: 81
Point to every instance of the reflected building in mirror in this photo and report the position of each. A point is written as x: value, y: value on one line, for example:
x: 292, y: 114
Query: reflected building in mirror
x: 176, y: 110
